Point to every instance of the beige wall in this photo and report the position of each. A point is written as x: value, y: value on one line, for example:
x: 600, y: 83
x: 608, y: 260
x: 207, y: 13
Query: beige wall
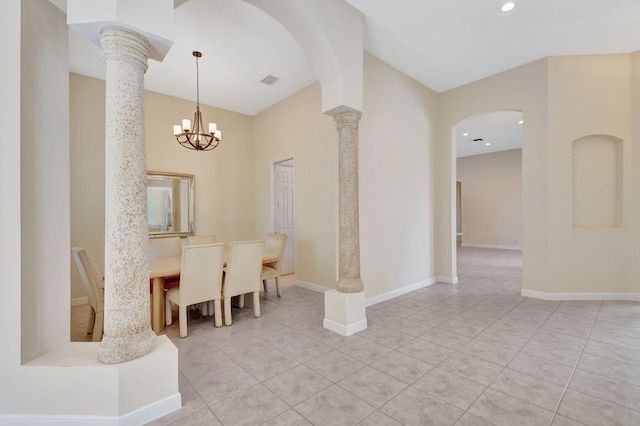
x: 11, y: 223
x: 34, y: 171
x: 396, y: 180
x: 295, y: 128
x: 633, y: 180
x: 562, y: 99
x: 225, y: 201
x: 491, y: 198
x: 86, y: 132
x: 397, y: 134
x: 588, y: 95
x: 522, y: 89
x: 44, y: 180
x: 234, y: 182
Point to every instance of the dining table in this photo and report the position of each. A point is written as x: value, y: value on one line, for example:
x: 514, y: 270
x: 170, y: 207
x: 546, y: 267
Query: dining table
x: 169, y: 267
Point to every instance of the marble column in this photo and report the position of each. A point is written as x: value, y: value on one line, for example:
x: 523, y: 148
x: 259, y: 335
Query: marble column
x: 349, y: 227
x: 127, y: 327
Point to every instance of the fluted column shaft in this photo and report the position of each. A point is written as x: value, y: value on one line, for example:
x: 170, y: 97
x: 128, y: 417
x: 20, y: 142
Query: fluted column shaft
x: 127, y: 327
x: 348, y: 222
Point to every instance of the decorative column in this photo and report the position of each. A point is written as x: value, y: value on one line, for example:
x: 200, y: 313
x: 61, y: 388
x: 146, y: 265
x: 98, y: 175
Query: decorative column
x: 348, y: 212
x: 344, y: 307
x: 127, y: 328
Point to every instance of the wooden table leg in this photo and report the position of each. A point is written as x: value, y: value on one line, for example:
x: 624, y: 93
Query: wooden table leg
x: 157, y: 317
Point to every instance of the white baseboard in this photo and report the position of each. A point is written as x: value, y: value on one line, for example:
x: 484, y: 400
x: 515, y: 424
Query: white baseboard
x: 311, y: 286
x: 344, y: 330
x: 137, y: 417
x: 580, y: 296
x: 152, y: 411
x: 398, y: 292
x: 385, y: 296
x: 79, y: 301
x: 492, y: 246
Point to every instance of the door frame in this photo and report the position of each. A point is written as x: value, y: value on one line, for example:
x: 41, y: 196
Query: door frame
x: 292, y: 161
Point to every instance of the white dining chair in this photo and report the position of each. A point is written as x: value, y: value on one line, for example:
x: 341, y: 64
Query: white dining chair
x: 275, y: 243
x: 94, y: 284
x: 205, y: 308
x: 242, y: 275
x: 200, y: 281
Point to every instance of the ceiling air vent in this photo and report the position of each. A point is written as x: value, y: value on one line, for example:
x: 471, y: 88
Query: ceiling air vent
x: 269, y: 80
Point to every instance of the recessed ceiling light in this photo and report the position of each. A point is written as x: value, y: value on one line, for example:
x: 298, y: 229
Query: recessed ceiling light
x: 521, y: 121
x: 487, y: 144
x: 465, y: 134
x: 508, y: 6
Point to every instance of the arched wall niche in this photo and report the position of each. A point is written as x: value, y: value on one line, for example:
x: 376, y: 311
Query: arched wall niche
x: 597, y: 181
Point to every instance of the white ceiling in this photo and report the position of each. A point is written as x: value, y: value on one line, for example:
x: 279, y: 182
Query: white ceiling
x: 442, y: 44
x: 240, y: 46
x: 447, y: 43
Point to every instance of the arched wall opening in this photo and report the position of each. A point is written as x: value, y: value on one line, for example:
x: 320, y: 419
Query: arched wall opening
x: 332, y: 35
x: 486, y: 183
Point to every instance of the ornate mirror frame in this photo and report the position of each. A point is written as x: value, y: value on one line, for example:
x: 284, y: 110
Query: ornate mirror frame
x: 170, y: 204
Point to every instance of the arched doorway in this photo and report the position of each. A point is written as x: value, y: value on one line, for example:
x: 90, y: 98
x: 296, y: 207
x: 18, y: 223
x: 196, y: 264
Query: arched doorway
x: 487, y: 186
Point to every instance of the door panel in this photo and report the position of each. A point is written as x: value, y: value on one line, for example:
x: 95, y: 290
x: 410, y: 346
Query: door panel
x: 284, y: 211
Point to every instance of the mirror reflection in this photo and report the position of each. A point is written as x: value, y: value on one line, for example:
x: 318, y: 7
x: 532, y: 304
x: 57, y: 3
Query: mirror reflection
x: 170, y: 204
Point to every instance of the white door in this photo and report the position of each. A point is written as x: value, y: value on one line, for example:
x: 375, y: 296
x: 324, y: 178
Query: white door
x: 284, y: 189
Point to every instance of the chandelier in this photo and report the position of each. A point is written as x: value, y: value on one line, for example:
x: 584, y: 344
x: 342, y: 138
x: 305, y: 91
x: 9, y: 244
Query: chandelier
x: 195, y: 138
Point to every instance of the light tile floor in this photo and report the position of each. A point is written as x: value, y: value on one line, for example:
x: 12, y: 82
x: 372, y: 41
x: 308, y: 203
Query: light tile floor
x: 476, y: 353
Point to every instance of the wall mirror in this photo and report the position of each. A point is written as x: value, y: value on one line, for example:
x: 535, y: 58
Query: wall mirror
x: 170, y: 204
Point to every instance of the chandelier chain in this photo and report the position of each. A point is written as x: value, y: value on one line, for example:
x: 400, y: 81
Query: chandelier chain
x: 197, y: 84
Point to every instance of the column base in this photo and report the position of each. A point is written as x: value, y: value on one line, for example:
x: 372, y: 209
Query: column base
x: 113, y: 350
x: 344, y: 313
x: 69, y: 386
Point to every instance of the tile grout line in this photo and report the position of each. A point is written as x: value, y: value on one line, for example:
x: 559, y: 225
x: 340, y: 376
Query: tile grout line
x: 457, y: 351
x: 437, y: 365
x: 575, y: 366
x: 505, y: 367
x: 260, y: 382
x: 489, y: 294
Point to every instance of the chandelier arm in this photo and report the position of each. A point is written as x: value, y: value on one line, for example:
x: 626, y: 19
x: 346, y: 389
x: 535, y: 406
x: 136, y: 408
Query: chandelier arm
x: 189, y: 142
x: 195, y: 144
x: 196, y: 129
x: 204, y: 148
x: 199, y: 127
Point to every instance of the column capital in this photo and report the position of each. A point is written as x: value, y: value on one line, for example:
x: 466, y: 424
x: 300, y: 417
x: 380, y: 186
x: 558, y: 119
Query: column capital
x: 125, y: 45
x: 349, y: 118
x: 88, y: 18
